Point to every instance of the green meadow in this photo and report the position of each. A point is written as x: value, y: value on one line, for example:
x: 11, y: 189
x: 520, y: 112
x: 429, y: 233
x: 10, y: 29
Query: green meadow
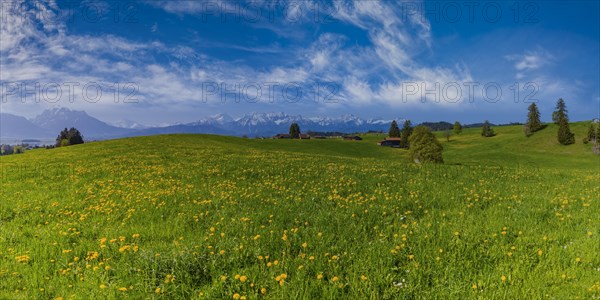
x: 213, y: 217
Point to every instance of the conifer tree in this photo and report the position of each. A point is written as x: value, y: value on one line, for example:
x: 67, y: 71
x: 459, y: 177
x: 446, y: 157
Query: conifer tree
x: 565, y: 136
x: 533, y: 119
x: 406, y: 133
x: 394, y: 131
x: 294, y: 131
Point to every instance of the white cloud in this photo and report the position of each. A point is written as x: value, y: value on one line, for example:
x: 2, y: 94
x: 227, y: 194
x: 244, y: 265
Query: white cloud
x: 525, y: 64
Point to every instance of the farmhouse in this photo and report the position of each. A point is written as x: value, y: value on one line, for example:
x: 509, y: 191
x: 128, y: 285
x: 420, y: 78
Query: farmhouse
x: 390, y: 142
x: 281, y: 136
x: 352, y: 138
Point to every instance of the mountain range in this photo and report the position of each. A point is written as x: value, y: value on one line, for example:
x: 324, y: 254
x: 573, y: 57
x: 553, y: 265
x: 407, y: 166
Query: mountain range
x: 50, y: 122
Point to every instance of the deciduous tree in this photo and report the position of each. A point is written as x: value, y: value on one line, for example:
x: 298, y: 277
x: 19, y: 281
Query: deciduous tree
x: 424, y: 146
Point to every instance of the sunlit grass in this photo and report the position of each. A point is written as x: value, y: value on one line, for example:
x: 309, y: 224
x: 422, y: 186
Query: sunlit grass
x: 195, y: 216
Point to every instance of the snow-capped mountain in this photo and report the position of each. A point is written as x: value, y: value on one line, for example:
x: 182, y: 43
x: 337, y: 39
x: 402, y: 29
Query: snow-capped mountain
x: 52, y: 121
x: 128, y: 124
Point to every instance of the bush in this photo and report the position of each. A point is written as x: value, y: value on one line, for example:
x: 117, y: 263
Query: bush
x: 486, y: 130
x: 424, y: 146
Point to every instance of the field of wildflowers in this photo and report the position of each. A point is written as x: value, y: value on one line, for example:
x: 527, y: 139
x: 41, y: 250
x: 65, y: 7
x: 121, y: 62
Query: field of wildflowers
x: 196, y: 216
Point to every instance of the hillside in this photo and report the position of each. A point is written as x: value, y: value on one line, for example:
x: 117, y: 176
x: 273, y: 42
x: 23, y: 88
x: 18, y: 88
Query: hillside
x: 204, y: 216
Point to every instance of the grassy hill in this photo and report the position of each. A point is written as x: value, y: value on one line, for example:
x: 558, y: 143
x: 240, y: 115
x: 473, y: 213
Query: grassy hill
x: 201, y: 216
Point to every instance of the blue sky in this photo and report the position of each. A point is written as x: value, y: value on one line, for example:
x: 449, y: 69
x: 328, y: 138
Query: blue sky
x: 178, y: 61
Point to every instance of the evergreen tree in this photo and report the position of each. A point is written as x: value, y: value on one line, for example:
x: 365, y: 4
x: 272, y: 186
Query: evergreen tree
x: 62, y: 136
x: 294, y: 131
x: 487, y: 130
x: 424, y: 146
x: 560, y: 112
x: 533, y: 119
x: 406, y: 133
x: 457, y: 127
x: 74, y: 137
x: 565, y: 136
x: 69, y: 137
x: 394, y: 130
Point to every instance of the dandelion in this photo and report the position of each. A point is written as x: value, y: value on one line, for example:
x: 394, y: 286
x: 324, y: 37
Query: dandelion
x: 363, y: 277
x: 169, y: 278
x: 92, y: 255
x: 243, y: 278
x: 474, y: 286
x: 223, y: 278
x: 236, y: 296
x: 22, y: 259
x: 263, y: 291
x: 540, y: 252
x: 503, y: 278
x: 577, y: 259
x: 319, y: 276
x: 335, y: 279
x: 122, y: 289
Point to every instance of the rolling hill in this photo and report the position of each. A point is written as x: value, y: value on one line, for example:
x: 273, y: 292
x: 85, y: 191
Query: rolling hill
x: 206, y: 216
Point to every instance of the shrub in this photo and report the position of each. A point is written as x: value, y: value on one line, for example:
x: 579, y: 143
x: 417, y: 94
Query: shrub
x: 424, y: 146
x: 486, y: 130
